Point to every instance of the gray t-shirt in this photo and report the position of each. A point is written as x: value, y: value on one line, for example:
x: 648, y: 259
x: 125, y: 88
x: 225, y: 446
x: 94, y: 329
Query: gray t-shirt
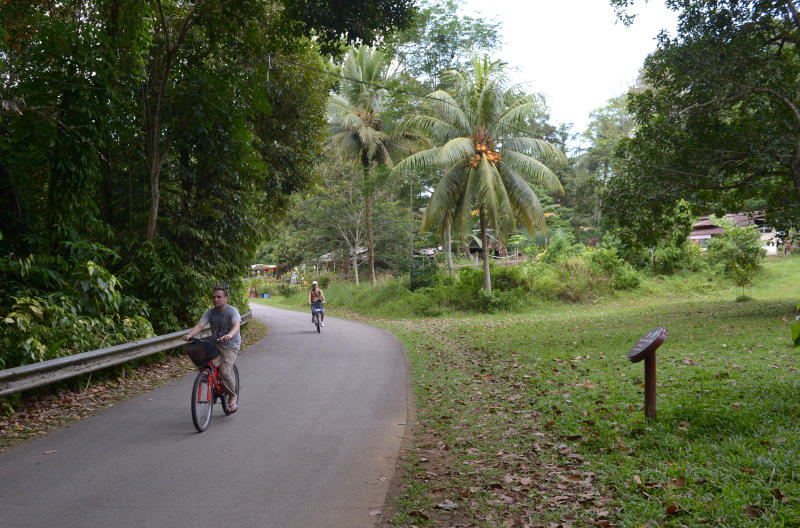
x: 222, y: 322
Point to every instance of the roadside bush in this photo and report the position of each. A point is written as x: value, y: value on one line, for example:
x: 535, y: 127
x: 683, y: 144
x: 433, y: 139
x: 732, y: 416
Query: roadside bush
x: 287, y: 290
x: 603, y: 260
x: 562, y: 244
x: 671, y: 259
x: 259, y: 285
x: 498, y: 300
x: 426, y: 302
x: 737, y: 254
x: 579, y: 276
x: 625, y: 278
x: 577, y: 279
x: 507, y: 278
x: 545, y: 280
x: 469, y: 280
x: 423, y: 274
x: 324, y: 279
x: 87, y: 313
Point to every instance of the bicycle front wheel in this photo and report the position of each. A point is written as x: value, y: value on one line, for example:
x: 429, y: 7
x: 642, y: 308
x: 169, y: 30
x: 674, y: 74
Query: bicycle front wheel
x: 202, y: 401
x: 225, y: 397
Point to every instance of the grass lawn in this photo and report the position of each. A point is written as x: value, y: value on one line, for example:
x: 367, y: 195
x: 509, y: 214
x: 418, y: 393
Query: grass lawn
x: 536, y: 419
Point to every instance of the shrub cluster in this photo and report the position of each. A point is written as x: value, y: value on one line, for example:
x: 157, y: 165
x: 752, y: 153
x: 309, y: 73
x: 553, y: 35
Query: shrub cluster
x: 574, y: 273
x: 88, y: 311
x: 578, y: 273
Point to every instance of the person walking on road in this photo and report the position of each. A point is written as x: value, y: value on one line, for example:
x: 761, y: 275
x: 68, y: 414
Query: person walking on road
x: 315, y: 300
x: 225, y: 322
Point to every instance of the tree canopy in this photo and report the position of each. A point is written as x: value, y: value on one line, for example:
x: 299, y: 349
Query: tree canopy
x: 147, y: 147
x: 718, y: 120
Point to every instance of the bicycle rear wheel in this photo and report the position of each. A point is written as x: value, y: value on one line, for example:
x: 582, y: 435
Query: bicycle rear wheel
x: 225, y: 397
x: 202, y: 401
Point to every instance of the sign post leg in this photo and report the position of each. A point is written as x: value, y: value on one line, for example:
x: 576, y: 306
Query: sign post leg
x: 650, y: 387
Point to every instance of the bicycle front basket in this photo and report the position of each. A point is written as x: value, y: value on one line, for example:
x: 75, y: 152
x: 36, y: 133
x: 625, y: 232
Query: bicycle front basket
x: 201, y: 351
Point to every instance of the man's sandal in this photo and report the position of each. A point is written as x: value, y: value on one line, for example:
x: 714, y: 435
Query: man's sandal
x: 232, y: 407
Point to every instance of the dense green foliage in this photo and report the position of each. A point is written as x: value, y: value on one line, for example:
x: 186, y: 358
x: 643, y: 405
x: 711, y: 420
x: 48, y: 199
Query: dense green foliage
x: 326, y: 227
x: 436, y: 40
x: 737, y: 253
x: 718, y: 120
x: 573, y: 273
x: 145, y: 150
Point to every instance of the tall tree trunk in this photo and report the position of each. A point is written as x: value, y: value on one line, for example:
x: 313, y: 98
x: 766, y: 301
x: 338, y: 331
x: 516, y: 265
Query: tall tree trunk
x: 370, y: 243
x: 411, y: 217
x: 653, y: 260
x: 796, y: 172
x: 368, y: 216
x: 155, y: 171
x: 448, y: 245
x: 487, y: 279
x: 155, y: 154
x: 355, y: 264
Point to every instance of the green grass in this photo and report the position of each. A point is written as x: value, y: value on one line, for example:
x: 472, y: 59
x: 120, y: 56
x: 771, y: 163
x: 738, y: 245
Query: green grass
x: 536, y: 417
x: 389, y: 299
x: 552, y: 391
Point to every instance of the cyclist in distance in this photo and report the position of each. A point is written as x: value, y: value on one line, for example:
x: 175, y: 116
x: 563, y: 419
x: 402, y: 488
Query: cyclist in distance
x: 225, y: 322
x: 316, y: 297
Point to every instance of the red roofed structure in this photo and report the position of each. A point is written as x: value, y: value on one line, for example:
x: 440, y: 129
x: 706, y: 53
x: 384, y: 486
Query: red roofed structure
x: 704, y: 230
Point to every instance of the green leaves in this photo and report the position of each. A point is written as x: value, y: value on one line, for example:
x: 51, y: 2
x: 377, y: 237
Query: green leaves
x: 737, y: 253
x: 717, y: 116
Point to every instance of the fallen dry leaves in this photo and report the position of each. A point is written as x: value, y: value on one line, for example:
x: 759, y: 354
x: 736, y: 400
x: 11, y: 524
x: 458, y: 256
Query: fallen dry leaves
x: 538, y: 477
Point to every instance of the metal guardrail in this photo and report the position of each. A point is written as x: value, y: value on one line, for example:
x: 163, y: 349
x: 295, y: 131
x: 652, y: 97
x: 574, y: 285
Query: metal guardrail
x: 26, y: 377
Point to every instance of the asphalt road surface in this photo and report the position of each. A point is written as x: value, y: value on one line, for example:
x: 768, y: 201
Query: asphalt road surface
x: 314, y: 443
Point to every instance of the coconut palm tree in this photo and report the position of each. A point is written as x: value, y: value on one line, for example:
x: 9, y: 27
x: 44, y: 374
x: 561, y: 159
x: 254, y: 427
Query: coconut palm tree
x: 356, y: 129
x: 478, y: 126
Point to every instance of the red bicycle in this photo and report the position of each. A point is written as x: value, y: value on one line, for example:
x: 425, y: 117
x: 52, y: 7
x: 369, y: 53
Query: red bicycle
x: 207, y: 387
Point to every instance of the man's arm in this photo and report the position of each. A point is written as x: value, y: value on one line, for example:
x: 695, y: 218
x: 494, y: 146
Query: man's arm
x: 234, y: 329
x: 196, y: 329
x: 309, y: 296
x: 322, y: 295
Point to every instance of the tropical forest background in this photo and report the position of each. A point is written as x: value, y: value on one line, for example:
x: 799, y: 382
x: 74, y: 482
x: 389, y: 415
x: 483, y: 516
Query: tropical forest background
x: 152, y: 149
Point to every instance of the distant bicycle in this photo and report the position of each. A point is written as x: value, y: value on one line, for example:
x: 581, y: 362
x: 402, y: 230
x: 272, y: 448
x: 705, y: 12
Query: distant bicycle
x: 207, y: 387
x: 316, y: 309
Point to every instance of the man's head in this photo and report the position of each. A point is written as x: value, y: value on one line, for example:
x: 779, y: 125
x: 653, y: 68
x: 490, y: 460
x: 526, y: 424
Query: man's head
x: 220, y: 297
x: 314, y: 284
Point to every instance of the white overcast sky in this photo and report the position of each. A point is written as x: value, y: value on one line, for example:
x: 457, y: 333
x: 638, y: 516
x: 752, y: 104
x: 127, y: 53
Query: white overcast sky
x: 573, y: 51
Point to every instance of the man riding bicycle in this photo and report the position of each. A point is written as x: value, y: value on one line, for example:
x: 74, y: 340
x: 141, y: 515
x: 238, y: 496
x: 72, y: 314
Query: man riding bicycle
x: 315, y: 299
x: 225, y: 322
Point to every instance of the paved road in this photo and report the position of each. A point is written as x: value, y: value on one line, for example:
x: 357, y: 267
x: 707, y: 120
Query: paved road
x: 314, y: 444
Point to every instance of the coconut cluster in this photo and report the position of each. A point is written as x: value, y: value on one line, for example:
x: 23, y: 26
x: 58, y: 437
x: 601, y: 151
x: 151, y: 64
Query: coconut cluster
x: 487, y: 150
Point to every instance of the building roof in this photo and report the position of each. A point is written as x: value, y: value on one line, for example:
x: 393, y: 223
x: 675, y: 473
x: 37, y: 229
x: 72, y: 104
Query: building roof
x: 711, y: 231
x: 263, y: 267
x: 704, y: 228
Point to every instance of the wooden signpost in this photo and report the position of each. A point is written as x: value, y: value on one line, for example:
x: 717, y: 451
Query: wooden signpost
x: 645, y: 350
